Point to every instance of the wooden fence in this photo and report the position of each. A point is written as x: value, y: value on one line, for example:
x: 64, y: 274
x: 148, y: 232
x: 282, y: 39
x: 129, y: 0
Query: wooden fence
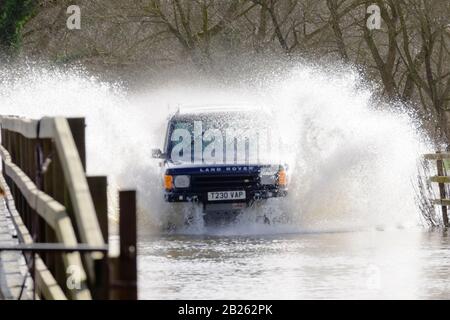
x: 51, y: 201
x: 441, y: 179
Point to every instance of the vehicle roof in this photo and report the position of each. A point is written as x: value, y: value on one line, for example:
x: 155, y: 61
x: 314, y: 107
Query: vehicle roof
x: 200, y: 110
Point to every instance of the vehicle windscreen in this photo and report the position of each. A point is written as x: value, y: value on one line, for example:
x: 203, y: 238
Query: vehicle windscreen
x: 218, y: 137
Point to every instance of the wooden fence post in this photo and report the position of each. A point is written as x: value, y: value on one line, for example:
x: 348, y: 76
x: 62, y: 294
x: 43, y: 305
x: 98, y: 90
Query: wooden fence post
x: 442, y: 192
x: 77, y: 127
x: 98, y: 187
x: 127, y: 268
x: 67, y: 209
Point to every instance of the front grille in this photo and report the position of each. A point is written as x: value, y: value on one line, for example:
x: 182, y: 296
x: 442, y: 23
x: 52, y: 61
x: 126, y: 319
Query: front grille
x: 223, y: 182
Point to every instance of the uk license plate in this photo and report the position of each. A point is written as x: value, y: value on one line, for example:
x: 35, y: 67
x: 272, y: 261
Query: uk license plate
x: 226, y: 195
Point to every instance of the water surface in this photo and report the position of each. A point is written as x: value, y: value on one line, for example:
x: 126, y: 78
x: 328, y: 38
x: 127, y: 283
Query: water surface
x: 399, y: 264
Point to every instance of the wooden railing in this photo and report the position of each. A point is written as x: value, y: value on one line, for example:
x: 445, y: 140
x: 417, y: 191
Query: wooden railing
x: 52, y: 201
x: 441, y: 179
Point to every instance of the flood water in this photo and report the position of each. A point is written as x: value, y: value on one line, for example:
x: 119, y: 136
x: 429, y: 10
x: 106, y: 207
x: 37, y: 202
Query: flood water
x: 396, y: 264
x: 353, y: 158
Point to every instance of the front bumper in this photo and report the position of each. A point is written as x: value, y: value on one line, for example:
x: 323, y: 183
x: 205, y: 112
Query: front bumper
x: 202, y: 196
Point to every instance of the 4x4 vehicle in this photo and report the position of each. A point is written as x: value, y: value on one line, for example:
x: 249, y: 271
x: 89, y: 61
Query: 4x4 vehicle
x: 215, y: 156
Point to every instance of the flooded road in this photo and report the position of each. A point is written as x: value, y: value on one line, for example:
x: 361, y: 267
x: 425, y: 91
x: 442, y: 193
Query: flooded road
x: 403, y: 264
x: 352, y: 159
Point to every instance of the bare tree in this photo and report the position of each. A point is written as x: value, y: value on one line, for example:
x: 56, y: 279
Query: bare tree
x: 409, y: 55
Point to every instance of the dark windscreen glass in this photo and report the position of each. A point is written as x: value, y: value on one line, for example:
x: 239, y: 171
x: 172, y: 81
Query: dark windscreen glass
x: 242, y: 125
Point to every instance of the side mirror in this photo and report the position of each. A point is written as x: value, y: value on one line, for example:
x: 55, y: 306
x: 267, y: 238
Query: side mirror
x: 157, y: 154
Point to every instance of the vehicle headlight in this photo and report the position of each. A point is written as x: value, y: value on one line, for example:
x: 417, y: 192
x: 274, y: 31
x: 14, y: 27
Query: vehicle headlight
x: 181, y: 181
x: 268, y: 176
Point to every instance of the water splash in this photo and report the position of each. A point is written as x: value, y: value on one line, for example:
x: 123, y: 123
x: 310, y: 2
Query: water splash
x: 355, y: 158
x: 353, y: 164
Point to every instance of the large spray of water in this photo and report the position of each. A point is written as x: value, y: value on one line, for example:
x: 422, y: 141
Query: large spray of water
x: 353, y: 161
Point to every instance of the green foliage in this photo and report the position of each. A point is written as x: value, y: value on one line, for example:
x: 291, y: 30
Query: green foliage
x: 13, y: 16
